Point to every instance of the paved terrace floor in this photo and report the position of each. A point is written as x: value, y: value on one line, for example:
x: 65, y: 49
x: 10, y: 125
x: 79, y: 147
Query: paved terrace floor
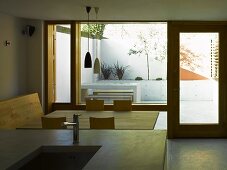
x: 192, y: 112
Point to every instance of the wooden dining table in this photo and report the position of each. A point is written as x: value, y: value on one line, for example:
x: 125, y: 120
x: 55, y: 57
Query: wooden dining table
x: 124, y: 120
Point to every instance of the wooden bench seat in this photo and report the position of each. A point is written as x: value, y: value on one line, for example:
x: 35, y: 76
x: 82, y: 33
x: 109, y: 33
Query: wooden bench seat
x: 19, y: 111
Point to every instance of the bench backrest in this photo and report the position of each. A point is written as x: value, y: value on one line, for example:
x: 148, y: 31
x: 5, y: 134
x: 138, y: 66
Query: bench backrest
x: 18, y: 111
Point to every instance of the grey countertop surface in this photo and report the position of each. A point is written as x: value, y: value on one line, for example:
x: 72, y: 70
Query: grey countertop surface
x: 120, y: 149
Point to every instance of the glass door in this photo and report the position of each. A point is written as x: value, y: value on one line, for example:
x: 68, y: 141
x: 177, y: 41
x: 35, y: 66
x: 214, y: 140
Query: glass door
x: 199, y: 77
x: 197, y: 80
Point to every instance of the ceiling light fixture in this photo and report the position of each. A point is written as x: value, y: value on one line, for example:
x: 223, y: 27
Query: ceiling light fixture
x: 96, y: 63
x: 87, y: 60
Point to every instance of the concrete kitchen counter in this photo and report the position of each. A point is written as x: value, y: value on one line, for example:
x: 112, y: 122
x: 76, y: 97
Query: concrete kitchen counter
x: 120, y: 149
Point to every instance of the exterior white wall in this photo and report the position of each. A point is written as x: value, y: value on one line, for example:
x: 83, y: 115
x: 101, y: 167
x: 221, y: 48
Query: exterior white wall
x: 113, y: 50
x: 63, y: 67
x: 151, y: 90
x: 156, y: 90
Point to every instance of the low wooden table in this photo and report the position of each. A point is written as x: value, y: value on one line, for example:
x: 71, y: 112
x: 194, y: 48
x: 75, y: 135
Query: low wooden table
x: 123, y: 120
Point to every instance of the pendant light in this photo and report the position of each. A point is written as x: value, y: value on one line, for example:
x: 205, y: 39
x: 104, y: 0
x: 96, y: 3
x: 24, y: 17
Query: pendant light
x: 87, y: 60
x: 96, y: 63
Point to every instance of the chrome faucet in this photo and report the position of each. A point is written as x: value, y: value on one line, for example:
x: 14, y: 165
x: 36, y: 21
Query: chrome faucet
x: 75, y: 125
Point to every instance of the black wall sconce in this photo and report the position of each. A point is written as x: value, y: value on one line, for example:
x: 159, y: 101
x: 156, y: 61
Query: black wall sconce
x: 29, y: 30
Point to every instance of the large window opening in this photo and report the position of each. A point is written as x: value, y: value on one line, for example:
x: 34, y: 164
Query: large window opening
x: 133, y: 61
x: 132, y: 57
x: 63, y: 64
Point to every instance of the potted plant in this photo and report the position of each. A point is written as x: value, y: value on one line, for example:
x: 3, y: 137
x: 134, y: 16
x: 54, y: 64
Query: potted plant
x: 138, y: 78
x: 118, y: 71
x: 106, y: 70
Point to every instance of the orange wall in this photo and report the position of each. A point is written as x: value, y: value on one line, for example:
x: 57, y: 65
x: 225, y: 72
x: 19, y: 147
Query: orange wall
x: 189, y: 75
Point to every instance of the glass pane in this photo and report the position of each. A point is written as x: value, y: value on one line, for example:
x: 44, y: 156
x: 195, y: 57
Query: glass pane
x: 62, y: 64
x: 133, y: 60
x: 199, y: 70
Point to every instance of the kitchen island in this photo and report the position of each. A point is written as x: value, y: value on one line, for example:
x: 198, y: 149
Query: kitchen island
x: 119, y: 149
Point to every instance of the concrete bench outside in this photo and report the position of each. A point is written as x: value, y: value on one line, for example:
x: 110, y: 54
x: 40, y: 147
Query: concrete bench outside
x: 109, y: 97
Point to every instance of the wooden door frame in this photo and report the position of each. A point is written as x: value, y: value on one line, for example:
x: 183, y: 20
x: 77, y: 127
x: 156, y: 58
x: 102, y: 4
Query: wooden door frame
x: 49, y: 67
x: 175, y: 130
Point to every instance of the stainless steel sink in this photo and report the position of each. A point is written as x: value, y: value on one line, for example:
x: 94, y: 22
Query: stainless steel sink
x: 59, y: 158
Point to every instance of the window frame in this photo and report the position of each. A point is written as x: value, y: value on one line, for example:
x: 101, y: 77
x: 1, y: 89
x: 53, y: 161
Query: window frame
x: 50, y: 105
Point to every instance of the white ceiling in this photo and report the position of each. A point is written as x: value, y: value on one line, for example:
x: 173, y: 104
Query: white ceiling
x: 117, y: 9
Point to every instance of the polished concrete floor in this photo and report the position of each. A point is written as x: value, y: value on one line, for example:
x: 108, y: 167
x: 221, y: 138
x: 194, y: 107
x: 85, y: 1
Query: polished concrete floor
x: 195, y: 154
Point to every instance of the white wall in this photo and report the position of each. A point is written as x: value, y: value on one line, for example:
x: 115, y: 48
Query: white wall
x: 63, y: 68
x: 20, y: 63
x: 156, y: 90
x: 35, y: 74
x: 13, y: 76
x: 113, y: 50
